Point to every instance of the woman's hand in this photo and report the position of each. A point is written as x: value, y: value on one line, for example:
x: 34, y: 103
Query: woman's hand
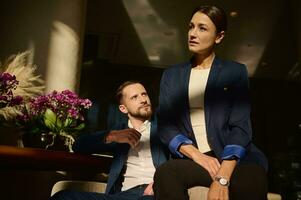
x: 209, y: 163
x: 218, y: 192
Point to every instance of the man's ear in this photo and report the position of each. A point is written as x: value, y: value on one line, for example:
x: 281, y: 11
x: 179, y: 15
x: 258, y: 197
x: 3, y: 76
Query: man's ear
x: 123, y: 109
x: 219, y: 37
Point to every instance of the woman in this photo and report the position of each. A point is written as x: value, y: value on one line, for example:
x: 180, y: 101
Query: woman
x: 204, y: 115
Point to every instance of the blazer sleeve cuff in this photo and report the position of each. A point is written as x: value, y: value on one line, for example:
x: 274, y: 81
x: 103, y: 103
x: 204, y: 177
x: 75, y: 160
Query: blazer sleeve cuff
x: 176, y: 142
x: 233, y: 152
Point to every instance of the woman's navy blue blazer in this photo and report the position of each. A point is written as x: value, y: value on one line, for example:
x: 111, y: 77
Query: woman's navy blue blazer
x: 227, y: 112
x: 94, y: 143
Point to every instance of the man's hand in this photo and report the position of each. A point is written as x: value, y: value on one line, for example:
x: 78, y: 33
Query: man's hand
x: 129, y: 136
x: 149, y: 189
x: 217, y: 191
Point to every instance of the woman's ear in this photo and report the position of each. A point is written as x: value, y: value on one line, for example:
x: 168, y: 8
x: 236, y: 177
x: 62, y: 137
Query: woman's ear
x: 123, y: 109
x: 219, y: 37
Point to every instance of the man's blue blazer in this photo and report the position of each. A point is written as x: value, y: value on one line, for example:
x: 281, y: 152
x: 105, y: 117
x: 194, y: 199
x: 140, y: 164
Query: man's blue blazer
x: 227, y: 111
x: 94, y: 143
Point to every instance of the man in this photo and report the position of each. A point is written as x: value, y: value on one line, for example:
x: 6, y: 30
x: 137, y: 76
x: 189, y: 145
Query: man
x: 137, y: 151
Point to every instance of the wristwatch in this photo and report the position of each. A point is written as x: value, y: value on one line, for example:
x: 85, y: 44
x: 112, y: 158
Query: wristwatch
x: 223, y: 181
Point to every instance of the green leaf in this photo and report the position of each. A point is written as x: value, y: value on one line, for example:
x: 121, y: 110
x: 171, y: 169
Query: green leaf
x: 35, y: 130
x: 49, y: 124
x: 59, y: 123
x: 80, y: 127
x: 67, y: 122
x: 50, y: 119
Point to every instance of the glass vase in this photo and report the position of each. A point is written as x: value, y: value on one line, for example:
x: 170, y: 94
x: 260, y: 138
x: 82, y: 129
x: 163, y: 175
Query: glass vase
x: 36, y: 140
x: 60, y: 142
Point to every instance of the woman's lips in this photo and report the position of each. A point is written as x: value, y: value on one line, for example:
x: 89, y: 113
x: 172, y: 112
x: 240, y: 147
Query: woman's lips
x: 193, y: 43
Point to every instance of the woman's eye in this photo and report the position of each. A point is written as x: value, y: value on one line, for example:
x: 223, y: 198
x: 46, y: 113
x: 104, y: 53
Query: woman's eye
x: 202, y: 28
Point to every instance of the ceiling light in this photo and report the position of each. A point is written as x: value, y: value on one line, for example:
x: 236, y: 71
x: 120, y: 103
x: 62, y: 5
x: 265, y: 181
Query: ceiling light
x: 233, y: 14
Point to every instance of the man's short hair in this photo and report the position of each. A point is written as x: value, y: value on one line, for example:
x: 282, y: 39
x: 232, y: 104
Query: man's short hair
x: 119, y: 94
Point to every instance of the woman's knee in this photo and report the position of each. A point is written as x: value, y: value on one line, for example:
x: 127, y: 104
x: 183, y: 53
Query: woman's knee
x: 162, y: 172
x: 250, y: 182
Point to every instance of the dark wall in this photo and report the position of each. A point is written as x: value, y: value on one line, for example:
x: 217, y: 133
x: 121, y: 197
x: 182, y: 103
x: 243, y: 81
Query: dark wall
x: 276, y: 119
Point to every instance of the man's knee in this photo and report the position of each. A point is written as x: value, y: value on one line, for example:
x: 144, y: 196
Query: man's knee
x: 147, y: 197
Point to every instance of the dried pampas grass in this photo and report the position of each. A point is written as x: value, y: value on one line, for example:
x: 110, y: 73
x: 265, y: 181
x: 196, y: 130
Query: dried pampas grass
x: 30, y: 84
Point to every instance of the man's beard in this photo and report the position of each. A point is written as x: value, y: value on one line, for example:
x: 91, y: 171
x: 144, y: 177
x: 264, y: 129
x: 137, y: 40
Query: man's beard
x: 141, y: 113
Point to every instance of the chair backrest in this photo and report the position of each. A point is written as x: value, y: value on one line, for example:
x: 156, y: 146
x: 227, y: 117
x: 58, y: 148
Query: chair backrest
x: 88, y: 186
x: 115, y: 117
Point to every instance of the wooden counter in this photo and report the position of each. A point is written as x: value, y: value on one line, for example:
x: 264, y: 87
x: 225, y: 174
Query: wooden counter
x: 16, y: 158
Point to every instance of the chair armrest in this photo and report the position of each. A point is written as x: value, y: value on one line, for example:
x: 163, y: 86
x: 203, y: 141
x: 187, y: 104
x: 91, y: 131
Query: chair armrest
x: 87, y: 186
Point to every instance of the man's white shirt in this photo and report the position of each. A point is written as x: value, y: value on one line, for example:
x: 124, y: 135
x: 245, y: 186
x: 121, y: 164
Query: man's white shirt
x: 139, y: 165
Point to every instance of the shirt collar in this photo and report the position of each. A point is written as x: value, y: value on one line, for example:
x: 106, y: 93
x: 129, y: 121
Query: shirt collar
x: 143, y: 126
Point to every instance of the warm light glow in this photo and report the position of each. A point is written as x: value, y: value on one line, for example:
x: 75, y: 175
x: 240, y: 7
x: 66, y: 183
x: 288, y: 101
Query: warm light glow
x: 250, y: 56
x: 234, y: 14
x: 31, y: 48
x: 160, y: 40
x: 63, y: 58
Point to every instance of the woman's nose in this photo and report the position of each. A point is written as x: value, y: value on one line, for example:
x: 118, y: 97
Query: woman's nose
x: 192, y: 32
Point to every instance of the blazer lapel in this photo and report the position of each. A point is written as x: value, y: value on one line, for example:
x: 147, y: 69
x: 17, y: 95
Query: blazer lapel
x: 186, y: 77
x: 211, y: 86
x: 155, y: 148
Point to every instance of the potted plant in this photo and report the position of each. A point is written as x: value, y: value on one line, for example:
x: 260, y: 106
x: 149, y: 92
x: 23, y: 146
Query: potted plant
x: 54, y: 116
x: 18, y: 82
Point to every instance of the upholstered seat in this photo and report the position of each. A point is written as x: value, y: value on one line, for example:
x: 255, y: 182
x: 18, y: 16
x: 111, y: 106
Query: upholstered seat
x: 195, y: 193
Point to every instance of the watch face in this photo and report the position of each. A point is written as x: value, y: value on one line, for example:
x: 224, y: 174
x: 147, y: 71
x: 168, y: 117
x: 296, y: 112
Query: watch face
x: 223, y: 181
